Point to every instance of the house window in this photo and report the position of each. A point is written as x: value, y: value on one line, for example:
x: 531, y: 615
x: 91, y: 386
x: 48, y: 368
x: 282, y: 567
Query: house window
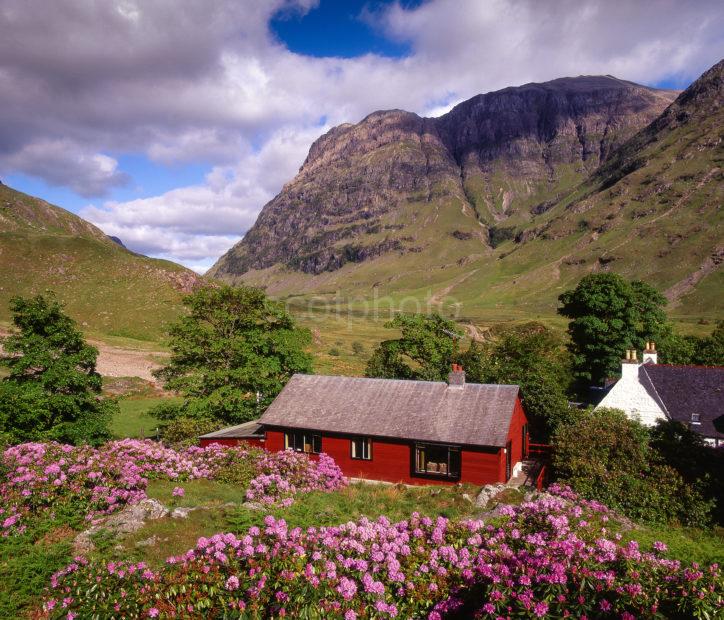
x: 437, y: 461
x: 695, y: 419
x: 361, y: 448
x: 303, y: 441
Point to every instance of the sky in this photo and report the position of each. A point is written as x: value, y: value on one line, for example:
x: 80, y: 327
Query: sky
x: 170, y: 123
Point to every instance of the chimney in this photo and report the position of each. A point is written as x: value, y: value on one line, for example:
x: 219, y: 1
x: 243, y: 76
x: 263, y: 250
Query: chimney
x: 630, y: 365
x: 650, y: 355
x: 456, y: 378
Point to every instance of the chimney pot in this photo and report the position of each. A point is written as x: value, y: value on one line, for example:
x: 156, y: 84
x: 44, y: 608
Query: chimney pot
x: 456, y: 378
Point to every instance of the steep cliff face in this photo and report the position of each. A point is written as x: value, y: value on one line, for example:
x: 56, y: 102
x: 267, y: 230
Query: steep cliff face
x: 497, y: 154
x: 520, y: 144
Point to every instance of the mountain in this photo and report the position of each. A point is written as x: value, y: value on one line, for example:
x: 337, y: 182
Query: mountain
x: 495, y: 207
x: 105, y: 287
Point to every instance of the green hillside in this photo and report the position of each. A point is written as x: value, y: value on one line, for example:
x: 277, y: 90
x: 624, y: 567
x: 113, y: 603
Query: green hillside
x: 108, y: 289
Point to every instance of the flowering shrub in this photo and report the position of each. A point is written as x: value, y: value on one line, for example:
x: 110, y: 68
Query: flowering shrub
x: 284, y: 474
x: 81, y: 481
x: 551, y: 557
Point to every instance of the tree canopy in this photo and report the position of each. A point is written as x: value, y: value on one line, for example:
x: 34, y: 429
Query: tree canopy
x: 609, y: 315
x: 701, y: 351
x: 425, y: 350
x: 607, y: 457
x: 52, y: 389
x: 534, y: 358
x: 232, y: 354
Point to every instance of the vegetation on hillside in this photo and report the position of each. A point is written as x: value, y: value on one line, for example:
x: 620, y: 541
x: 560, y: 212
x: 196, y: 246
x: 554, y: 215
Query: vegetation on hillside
x: 608, y: 316
x: 52, y: 389
x: 231, y: 355
x: 108, y: 289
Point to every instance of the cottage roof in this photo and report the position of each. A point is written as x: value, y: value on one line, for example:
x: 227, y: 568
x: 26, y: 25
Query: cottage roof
x: 687, y: 390
x: 472, y: 414
x: 248, y: 430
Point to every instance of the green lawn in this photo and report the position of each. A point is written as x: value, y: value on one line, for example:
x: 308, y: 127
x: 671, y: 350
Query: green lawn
x: 133, y: 419
x: 686, y: 544
x: 176, y: 536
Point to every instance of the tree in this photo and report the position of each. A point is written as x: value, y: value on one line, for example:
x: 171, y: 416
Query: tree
x: 52, y: 390
x: 534, y: 358
x: 607, y: 457
x: 706, y: 351
x: 232, y: 354
x: 425, y: 351
x: 609, y: 315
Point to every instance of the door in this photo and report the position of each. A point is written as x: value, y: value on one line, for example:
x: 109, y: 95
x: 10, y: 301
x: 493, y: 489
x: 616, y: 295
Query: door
x: 508, y: 460
x: 524, y: 443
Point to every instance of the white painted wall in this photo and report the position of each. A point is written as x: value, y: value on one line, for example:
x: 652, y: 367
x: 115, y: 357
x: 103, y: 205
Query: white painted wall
x: 631, y: 397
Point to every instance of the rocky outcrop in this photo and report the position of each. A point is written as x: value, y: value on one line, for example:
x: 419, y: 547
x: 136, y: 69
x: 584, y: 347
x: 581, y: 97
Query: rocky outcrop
x: 355, y: 196
x: 127, y: 521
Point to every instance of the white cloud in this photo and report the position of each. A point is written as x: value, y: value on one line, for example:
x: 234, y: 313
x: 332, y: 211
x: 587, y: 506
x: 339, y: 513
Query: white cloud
x: 196, y: 224
x: 63, y: 163
x: 206, y: 81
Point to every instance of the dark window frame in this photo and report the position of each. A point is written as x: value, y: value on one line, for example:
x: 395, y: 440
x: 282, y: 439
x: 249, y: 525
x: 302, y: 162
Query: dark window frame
x: 368, y: 444
x: 298, y: 441
x: 448, y: 474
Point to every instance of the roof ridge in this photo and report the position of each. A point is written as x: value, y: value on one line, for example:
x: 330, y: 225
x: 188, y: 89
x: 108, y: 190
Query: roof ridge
x: 702, y: 366
x: 348, y: 377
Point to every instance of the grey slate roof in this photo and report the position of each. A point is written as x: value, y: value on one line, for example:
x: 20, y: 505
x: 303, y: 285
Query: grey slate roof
x: 683, y: 390
x: 250, y: 430
x: 417, y: 410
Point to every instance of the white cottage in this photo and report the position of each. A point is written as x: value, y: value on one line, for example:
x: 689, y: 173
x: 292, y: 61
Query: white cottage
x: 648, y: 391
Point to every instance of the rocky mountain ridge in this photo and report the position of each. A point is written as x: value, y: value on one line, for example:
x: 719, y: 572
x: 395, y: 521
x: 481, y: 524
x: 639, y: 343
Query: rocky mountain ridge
x: 492, y: 151
x: 509, y: 198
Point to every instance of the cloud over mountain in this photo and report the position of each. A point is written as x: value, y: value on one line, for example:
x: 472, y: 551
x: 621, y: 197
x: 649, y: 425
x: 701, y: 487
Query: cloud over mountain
x: 207, y: 82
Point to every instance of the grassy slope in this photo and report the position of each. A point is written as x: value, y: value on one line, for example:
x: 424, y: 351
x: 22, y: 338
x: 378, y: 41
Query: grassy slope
x: 116, y: 292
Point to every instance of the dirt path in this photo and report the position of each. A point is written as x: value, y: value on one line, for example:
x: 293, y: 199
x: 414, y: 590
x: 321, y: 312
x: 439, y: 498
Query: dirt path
x: 120, y: 362
x: 711, y: 263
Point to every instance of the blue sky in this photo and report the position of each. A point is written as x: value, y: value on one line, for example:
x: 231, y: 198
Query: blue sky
x: 182, y: 124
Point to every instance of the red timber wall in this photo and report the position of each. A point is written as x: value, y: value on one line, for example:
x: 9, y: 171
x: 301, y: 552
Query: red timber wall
x: 392, y: 460
x: 515, y: 437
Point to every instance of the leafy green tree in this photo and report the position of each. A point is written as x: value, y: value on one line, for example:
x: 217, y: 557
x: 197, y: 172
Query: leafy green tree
x: 609, y: 315
x: 425, y: 350
x: 534, y: 358
x: 607, y: 457
x: 706, y: 351
x: 698, y: 463
x: 232, y: 354
x: 52, y: 390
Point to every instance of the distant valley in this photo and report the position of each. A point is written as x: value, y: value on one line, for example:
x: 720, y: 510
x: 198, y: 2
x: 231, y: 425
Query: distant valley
x: 486, y: 213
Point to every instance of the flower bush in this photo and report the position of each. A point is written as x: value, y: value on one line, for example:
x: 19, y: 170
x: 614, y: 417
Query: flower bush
x: 46, y: 479
x: 552, y: 557
x: 284, y: 474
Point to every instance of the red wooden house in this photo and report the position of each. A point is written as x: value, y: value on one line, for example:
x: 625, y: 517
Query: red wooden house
x: 417, y: 432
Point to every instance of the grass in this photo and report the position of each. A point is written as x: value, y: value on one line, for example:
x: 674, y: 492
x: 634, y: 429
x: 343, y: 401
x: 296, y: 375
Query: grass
x: 133, y: 420
x: 686, y: 544
x: 196, y: 492
x: 174, y: 536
